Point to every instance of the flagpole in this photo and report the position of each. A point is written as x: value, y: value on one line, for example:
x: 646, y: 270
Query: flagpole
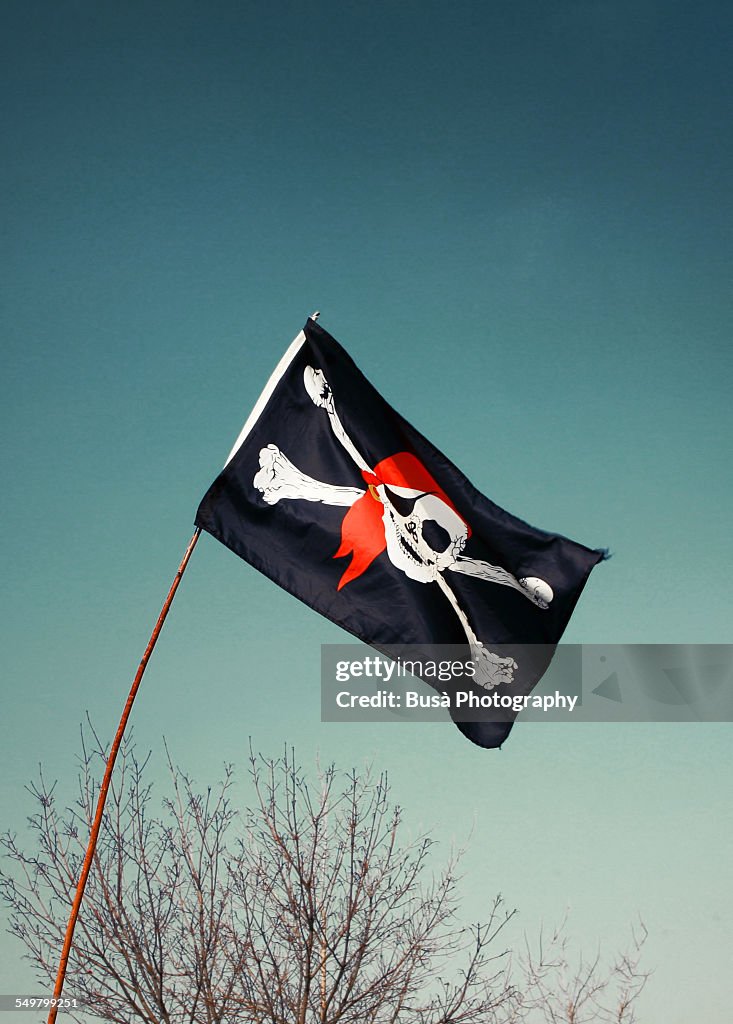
x: 104, y: 788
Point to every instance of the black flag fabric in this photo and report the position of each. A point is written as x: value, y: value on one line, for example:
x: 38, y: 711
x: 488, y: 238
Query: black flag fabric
x: 340, y: 501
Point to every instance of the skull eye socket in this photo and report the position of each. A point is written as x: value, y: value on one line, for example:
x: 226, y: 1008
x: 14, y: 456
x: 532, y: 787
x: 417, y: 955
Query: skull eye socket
x: 435, y: 536
x: 402, y: 506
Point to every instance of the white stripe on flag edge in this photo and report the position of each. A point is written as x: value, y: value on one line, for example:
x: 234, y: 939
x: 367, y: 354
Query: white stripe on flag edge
x: 262, y: 401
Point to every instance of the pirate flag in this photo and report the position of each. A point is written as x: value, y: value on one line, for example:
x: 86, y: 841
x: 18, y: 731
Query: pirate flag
x: 340, y: 501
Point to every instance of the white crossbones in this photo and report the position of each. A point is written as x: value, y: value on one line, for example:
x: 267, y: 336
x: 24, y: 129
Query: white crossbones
x: 425, y: 536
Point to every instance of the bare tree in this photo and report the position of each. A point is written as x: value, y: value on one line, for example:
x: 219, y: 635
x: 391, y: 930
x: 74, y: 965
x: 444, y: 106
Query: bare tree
x: 311, y: 906
x: 150, y: 944
x: 558, y: 988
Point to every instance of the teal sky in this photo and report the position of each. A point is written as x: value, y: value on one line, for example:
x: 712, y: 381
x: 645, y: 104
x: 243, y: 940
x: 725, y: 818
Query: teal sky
x: 516, y: 217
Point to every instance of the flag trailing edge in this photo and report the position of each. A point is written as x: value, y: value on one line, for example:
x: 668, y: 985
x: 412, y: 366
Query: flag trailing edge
x: 339, y: 500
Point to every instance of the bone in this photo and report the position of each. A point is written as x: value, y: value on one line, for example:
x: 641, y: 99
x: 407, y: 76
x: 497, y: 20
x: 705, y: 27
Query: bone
x: 534, y: 589
x: 321, y: 395
x: 278, y: 478
x: 318, y: 388
x: 491, y: 669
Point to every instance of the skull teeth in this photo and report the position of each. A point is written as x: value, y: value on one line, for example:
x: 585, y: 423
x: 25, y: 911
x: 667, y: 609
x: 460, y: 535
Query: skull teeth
x: 410, y: 551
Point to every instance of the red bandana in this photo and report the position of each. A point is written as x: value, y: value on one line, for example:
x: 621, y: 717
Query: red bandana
x: 362, y: 529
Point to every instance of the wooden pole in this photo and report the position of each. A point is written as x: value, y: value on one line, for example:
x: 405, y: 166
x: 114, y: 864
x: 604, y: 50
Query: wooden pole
x: 104, y: 788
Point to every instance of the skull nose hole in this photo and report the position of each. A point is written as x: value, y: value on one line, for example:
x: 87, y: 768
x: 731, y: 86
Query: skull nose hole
x: 435, y: 536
